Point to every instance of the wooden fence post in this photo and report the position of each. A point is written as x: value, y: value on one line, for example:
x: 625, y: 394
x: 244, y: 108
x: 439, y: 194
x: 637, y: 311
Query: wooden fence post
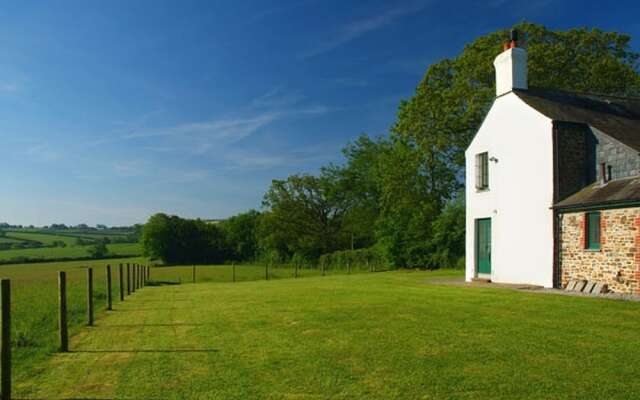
x: 109, y: 300
x: 120, y: 275
x: 128, y: 280
x: 137, y: 276
x: 148, y: 272
x: 90, y: 296
x: 5, y: 349
x: 194, y: 273
x: 62, y: 311
x: 133, y: 278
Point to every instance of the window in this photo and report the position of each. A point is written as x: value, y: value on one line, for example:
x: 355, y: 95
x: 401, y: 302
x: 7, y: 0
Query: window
x: 592, y: 231
x: 482, y: 171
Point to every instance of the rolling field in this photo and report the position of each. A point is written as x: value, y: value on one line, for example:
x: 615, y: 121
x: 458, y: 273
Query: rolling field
x: 44, y: 238
x: 37, y: 245
x: 48, y: 253
x: 391, y: 335
x: 9, y: 240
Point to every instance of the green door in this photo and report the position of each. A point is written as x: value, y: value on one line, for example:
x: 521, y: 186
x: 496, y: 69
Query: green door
x: 483, y: 245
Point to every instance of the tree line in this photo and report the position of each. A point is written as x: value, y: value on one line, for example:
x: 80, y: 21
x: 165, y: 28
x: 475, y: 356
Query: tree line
x: 401, y: 196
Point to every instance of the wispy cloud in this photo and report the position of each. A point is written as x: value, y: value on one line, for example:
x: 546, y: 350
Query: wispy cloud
x: 202, y: 136
x: 232, y: 128
x: 358, y: 28
x: 258, y: 160
x: 42, y: 152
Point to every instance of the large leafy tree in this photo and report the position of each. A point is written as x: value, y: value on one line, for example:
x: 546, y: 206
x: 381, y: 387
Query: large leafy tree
x: 358, y: 181
x: 305, y: 212
x: 241, y: 232
x: 175, y: 240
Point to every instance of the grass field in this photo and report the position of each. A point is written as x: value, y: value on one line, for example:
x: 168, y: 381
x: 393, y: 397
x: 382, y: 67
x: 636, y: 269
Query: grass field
x: 389, y: 335
x: 34, y: 303
x: 44, y: 238
x: 34, y: 306
x: 4, y: 239
x: 48, y: 253
x: 40, y: 244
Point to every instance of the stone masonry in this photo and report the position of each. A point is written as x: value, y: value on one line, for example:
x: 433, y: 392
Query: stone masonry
x: 617, y: 263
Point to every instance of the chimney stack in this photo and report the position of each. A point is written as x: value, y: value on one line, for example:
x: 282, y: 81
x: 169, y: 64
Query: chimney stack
x: 511, y: 67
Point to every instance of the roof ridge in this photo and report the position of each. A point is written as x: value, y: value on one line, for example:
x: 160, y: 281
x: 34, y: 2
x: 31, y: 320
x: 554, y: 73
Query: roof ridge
x: 580, y: 93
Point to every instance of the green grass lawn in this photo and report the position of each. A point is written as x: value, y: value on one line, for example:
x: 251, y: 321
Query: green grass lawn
x: 35, y: 302
x: 388, y: 335
x: 34, y: 306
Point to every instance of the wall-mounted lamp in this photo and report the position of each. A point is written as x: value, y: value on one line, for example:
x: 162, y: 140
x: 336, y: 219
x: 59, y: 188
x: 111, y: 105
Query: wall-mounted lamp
x: 495, y: 160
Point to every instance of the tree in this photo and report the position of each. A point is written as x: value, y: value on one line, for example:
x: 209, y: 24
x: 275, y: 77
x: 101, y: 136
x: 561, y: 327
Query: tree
x: 98, y: 250
x: 307, y: 212
x: 446, y: 246
x: 240, y: 231
x: 358, y: 180
x: 176, y: 240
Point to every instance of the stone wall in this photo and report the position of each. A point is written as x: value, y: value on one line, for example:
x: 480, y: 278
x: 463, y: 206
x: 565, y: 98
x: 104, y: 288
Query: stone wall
x: 617, y: 263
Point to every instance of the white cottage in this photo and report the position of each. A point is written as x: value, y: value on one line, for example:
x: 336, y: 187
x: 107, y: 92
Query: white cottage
x: 549, y: 175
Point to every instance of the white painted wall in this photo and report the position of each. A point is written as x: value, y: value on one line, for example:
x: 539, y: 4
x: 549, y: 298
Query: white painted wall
x: 511, y: 70
x: 520, y: 193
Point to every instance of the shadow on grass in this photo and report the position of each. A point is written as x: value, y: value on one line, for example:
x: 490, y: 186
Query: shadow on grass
x: 144, y: 325
x: 77, y: 398
x: 152, y: 309
x: 144, y: 351
x: 170, y: 300
x: 161, y: 283
x: 65, y: 398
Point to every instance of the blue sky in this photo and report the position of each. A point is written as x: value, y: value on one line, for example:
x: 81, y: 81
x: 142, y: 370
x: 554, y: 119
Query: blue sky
x: 111, y: 111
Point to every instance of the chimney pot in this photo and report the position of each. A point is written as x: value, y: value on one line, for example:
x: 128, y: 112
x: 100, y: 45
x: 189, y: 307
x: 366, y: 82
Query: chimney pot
x: 513, y: 38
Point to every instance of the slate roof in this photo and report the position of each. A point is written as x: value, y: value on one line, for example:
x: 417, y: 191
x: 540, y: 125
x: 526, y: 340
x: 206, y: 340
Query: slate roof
x: 614, y: 193
x: 618, y: 117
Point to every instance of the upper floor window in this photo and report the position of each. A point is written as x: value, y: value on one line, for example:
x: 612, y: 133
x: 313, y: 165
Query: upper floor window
x: 592, y: 230
x: 482, y: 171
